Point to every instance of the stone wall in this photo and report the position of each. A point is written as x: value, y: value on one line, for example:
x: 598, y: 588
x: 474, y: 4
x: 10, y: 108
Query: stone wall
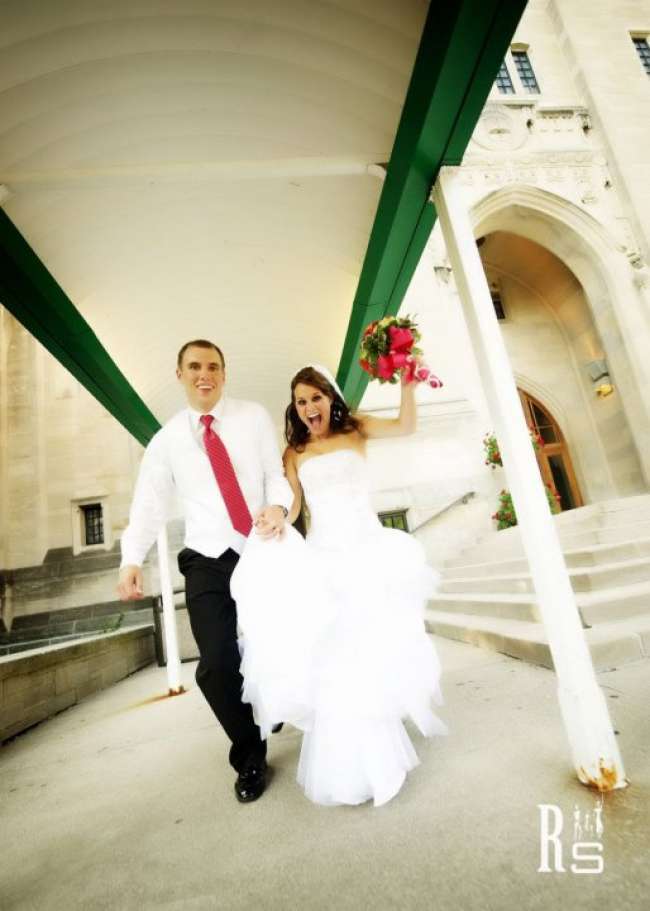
x: 59, y: 447
x: 38, y: 684
x: 595, y: 40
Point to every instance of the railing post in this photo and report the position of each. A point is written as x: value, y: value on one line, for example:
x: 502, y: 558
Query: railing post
x: 585, y: 714
x: 169, y: 616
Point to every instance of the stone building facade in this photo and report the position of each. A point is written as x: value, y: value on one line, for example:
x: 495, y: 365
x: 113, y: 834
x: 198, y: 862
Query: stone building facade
x: 557, y: 181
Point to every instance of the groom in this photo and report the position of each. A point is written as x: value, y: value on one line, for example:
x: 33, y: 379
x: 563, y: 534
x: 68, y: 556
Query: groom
x: 221, y: 458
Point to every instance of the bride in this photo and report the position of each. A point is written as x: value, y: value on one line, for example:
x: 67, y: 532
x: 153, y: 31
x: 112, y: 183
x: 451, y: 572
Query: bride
x: 332, y: 629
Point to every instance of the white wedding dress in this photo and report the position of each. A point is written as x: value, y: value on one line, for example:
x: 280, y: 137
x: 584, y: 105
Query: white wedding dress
x: 333, y: 638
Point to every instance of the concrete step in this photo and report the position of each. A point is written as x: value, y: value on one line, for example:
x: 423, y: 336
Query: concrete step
x: 594, y: 606
x: 512, y: 547
x: 609, y: 516
x: 611, y: 533
x: 503, y: 606
x: 598, y: 555
x: 597, y: 517
x: 594, y: 578
x: 615, y: 603
x: 610, y: 644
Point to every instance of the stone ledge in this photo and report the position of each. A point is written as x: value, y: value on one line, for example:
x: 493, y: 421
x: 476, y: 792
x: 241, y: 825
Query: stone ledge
x: 49, y: 625
x: 38, y: 684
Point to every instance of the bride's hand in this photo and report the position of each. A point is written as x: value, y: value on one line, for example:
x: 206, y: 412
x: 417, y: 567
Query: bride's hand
x: 406, y: 374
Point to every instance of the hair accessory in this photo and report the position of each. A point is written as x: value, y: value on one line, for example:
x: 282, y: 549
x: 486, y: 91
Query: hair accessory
x: 328, y: 376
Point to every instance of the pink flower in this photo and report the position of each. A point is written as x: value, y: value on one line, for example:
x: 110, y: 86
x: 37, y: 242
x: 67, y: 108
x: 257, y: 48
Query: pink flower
x: 400, y: 339
x: 422, y: 374
x: 409, y: 369
x: 399, y: 359
x: 385, y: 366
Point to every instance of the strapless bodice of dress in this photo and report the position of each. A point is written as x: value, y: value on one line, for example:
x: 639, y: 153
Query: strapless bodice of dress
x: 337, y: 494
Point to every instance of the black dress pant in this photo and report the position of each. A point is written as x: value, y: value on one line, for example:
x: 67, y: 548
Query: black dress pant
x: 213, y: 618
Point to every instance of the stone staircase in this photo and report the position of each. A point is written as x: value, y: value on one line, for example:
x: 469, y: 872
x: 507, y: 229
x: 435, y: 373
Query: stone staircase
x: 487, y: 598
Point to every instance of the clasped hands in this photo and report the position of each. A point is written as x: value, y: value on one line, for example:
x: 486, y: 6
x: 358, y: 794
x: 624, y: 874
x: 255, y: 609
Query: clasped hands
x: 269, y: 522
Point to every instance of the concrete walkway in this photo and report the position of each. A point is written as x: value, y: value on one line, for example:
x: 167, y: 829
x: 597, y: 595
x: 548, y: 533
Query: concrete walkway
x: 126, y: 802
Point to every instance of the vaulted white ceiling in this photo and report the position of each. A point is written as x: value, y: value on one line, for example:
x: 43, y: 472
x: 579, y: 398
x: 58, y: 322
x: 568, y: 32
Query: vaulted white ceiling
x: 193, y: 168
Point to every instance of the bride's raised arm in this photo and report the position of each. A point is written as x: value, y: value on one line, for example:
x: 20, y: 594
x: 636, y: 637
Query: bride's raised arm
x: 291, y: 472
x: 405, y: 422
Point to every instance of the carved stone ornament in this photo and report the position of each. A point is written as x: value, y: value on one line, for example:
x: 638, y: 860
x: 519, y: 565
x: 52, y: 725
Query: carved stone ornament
x: 500, y: 128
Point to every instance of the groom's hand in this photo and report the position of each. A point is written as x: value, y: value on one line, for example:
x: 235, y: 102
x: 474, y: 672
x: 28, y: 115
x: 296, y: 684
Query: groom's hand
x: 129, y: 587
x: 269, y: 523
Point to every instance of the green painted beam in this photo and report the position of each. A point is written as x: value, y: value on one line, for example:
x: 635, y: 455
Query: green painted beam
x: 32, y: 295
x: 462, y: 46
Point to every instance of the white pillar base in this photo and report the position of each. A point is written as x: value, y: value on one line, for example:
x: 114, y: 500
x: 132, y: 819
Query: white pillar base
x: 169, y: 617
x: 593, y: 745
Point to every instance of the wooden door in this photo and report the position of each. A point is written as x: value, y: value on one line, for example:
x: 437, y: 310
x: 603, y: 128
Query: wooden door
x: 553, y: 458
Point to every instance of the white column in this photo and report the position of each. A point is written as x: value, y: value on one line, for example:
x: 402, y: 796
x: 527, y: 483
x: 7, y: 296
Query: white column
x: 169, y: 616
x: 594, y: 749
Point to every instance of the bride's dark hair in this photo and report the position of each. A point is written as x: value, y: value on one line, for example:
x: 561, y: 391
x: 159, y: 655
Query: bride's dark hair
x: 341, y: 420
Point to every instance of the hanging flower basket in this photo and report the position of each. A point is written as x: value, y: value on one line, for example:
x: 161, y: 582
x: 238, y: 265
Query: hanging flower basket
x: 506, y: 517
x: 493, y: 453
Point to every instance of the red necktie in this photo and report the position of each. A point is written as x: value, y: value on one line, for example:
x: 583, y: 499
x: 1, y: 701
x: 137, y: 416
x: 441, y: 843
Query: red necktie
x: 226, y: 478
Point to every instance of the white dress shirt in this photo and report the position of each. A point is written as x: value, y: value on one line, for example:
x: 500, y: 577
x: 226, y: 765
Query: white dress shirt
x: 176, y: 461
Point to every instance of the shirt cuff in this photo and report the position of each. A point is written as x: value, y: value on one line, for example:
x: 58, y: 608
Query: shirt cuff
x: 131, y: 556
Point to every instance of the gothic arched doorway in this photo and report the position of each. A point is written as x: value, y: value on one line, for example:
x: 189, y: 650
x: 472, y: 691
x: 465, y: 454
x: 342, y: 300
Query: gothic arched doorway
x: 553, y: 458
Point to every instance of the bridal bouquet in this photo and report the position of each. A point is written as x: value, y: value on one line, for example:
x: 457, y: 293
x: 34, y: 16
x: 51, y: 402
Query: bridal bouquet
x: 389, y: 348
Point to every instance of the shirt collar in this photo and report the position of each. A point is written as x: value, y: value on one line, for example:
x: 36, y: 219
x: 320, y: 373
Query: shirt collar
x: 216, y: 412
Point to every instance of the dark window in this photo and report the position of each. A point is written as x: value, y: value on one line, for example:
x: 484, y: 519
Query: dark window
x: 498, y: 305
x: 561, y: 481
x: 525, y: 70
x: 643, y: 50
x: 543, y: 424
x: 93, y: 523
x: 394, y: 519
x: 503, y: 81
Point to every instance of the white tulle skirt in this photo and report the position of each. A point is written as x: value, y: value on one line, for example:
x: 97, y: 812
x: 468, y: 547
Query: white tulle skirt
x: 333, y: 642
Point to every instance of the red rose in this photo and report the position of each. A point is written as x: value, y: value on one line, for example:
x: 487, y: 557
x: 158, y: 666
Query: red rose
x: 400, y: 339
x: 385, y: 366
x: 399, y: 359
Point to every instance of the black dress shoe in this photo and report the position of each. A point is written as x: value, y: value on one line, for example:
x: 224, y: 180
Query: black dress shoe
x: 277, y: 728
x: 251, y: 783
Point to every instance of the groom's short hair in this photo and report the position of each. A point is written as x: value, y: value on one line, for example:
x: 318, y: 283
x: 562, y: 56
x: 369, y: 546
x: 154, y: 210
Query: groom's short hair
x: 199, y: 343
